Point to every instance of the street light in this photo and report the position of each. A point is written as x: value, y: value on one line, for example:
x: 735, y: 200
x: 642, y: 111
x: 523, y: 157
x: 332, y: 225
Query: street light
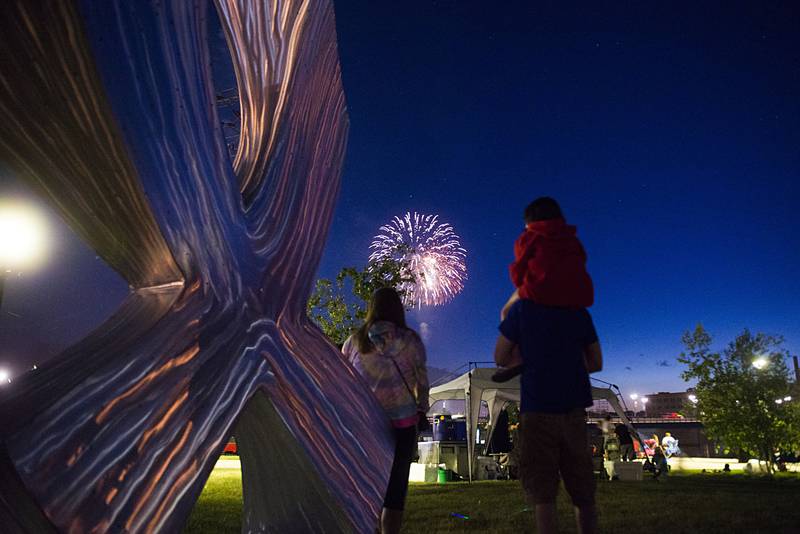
x: 22, y: 238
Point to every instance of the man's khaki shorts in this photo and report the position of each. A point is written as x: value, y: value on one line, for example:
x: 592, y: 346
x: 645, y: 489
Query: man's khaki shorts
x: 553, y: 446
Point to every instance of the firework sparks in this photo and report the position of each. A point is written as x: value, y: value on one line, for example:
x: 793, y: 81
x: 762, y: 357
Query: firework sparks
x: 432, y: 252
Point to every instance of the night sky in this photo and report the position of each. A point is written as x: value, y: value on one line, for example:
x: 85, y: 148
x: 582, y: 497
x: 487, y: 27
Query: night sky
x: 669, y: 136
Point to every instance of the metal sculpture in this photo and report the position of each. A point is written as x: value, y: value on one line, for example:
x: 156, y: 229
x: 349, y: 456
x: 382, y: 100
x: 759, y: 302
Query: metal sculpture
x: 108, y: 109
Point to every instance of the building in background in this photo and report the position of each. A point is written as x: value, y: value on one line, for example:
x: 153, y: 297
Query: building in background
x: 600, y: 407
x: 666, y: 404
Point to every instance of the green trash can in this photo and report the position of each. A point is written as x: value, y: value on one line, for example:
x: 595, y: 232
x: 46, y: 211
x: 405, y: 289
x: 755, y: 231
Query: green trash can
x: 442, y: 474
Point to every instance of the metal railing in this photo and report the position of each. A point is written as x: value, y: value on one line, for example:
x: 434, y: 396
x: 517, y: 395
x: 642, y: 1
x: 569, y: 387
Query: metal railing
x: 639, y: 420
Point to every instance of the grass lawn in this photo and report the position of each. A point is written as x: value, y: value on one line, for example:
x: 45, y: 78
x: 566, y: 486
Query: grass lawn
x: 682, y: 503
x: 219, y: 508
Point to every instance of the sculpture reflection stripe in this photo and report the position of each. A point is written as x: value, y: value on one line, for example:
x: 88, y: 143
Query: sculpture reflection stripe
x: 118, y: 129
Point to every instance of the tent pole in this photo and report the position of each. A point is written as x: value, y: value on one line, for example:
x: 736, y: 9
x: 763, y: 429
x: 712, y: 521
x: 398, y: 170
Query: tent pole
x: 470, y: 432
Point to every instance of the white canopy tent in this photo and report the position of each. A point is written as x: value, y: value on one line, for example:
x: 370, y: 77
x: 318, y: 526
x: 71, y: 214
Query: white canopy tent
x: 476, y: 385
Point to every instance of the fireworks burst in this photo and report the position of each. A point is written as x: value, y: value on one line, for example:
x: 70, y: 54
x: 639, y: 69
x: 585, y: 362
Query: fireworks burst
x: 432, y: 252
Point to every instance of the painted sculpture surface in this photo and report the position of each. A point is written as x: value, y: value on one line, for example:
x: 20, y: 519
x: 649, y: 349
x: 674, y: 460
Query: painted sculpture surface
x: 108, y: 110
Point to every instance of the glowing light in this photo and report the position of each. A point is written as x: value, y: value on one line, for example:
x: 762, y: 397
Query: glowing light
x: 760, y: 363
x: 644, y: 400
x: 787, y: 398
x: 693, y: 399
x: 778, y: 401
x: 433, y: 253
x: 634, y: 396
x: 22, y: 236
x: 5, y: 377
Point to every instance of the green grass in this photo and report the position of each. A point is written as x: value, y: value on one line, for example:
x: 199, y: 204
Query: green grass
x: 682, y: 503
x: 219, y: 508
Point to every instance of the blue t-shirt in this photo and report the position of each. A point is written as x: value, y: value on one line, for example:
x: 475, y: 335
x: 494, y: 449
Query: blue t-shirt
x: 552, y: 342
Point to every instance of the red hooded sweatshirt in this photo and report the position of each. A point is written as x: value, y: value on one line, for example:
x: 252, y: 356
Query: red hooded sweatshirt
x: 550, y: 266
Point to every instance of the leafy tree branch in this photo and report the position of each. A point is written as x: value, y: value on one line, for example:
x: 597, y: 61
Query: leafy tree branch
x: 740, y: 393
x: 339, y: 306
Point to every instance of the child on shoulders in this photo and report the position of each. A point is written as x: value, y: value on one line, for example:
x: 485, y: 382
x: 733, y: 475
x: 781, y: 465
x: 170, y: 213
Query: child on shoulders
x: 549, y: 266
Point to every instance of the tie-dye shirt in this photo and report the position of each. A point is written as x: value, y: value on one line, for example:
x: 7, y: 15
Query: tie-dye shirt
x: 404, y: 347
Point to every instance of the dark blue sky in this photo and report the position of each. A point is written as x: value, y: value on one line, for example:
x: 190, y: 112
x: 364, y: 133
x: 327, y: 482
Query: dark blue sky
x: 670, y: 137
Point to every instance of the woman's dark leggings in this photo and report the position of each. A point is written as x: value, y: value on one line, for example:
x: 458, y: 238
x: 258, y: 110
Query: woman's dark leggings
x: 404, y: 450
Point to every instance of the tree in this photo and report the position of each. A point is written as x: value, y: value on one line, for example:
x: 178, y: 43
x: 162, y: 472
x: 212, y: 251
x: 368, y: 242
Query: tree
x: 740, y: 393
x: 338, y: 313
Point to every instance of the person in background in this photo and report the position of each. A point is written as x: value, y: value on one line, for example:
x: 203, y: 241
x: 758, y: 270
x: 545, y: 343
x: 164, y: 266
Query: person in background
x: 625, y: 442
x: 511, y: 460
x: 391, y: 358
x: 605, y: 425
x: 670, y: 445
x: 559, y: 348
x: 660, y: 465
x: 652, y: 443
x: 501, y: 437
x: 611, y: 444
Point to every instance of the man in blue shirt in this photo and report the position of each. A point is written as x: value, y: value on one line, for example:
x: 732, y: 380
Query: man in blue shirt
x: 558, y: 348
